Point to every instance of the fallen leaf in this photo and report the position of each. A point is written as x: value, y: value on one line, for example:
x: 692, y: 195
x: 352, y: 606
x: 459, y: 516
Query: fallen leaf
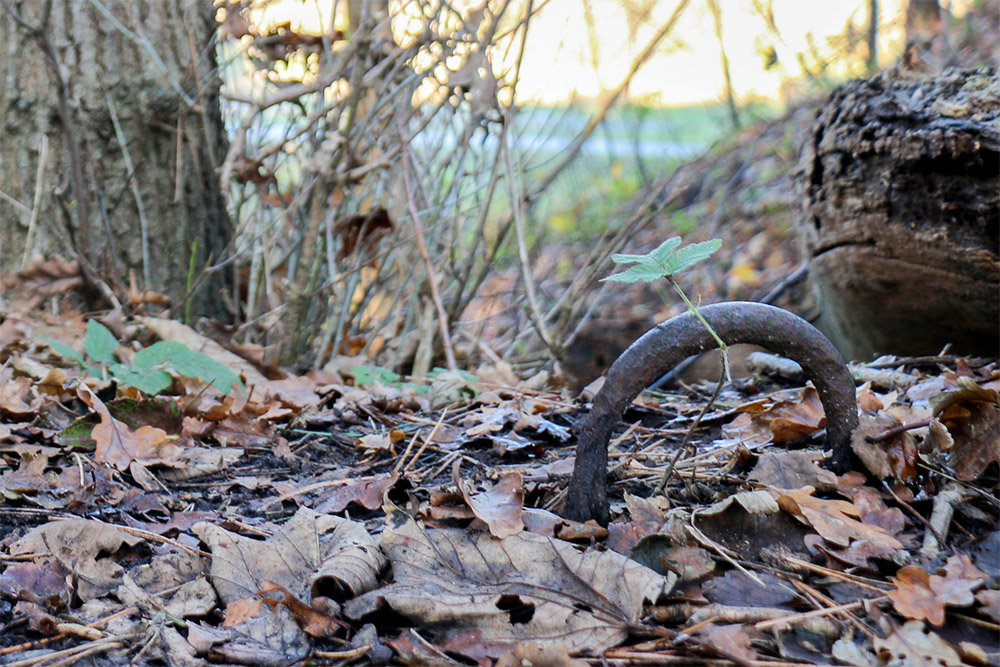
x: 792, y: 470
x: 972, y: 416
x: 989, y: 601
x: 86, y: 548
x: 523, y: 588
x: 532, y: 653
x: 919, y: 595
x: 729, y: 640
x: 893, y: 458
x: 834, y: 520
x: 119, y: 445
x: 500, y: 506
x: 312, y: 554
x: 910, y: 646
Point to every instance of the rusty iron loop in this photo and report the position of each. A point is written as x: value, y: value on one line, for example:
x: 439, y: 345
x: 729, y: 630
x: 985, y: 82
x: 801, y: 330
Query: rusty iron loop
x: 668, y: 344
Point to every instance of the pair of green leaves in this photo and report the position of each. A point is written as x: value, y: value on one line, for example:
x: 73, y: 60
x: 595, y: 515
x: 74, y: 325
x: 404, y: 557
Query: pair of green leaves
x: 669, y: 258
x: 148, y: 370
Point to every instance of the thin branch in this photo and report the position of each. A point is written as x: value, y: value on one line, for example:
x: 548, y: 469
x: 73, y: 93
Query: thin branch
x: 449, y: 353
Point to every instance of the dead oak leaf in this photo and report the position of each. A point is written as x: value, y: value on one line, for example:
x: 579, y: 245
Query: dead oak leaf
x: 972, y: 416
x: 895, y: 457
x: 499, y: 507
x: 730, y: 640
x: 16, y: 400
x: 919, y: 595
x: 910, y: 645
x: 792, y: 470
x: 119, y: 445
x: 989, y: 602
x: 522, y: 588
x: 835, y: 520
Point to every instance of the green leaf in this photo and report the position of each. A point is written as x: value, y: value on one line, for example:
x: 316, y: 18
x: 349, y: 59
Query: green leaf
x: 147, y: 380
x: 629, y: 259
x: 62, y: 349
x: 664, y: 261
x: 690, y: 255
x: 365, y: 376
x: 636, y: 273
x: 100, y: 343
x: 665, y: 250
x: 179, y: 357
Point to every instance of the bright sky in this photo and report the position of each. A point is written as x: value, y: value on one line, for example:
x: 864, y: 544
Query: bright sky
x: 686, y: 68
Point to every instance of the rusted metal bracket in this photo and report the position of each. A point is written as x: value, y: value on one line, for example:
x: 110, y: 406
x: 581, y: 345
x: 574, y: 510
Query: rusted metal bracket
x: 669, y: 343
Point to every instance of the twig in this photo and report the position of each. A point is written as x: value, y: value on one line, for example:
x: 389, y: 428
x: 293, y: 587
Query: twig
x: 687, y: 436
x: 534, y: 312
x: 427, y: 440
x: 449, y: 353
x: 896, y: 430
x: 127, y: 158
x: 43, y: 156
x: 947, y: 498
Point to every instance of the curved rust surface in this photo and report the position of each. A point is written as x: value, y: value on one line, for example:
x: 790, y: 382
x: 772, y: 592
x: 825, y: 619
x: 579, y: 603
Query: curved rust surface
x: 669, y: 343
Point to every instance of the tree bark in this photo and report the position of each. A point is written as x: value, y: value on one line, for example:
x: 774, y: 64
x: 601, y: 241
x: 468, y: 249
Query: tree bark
x: 111, y: 135
x: 901, y: 214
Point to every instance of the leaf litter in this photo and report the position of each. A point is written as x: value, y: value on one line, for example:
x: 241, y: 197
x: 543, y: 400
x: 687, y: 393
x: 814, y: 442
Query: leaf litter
x: 352, y: 516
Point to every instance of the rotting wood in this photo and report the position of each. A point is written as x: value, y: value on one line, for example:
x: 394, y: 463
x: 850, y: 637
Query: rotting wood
x: 902, y: 213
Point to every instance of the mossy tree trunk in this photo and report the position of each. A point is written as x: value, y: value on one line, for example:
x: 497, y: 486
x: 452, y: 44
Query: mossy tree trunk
x: 110, y: 137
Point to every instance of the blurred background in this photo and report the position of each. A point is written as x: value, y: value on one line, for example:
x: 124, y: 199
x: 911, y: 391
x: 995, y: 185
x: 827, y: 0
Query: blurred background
x: 428, y: 183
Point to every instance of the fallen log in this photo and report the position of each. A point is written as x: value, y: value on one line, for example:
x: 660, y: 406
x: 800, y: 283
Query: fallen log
x: 902, y: 214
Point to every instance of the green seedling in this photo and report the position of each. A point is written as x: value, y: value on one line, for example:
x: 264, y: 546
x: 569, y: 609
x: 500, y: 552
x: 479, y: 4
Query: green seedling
x: 662, y: 263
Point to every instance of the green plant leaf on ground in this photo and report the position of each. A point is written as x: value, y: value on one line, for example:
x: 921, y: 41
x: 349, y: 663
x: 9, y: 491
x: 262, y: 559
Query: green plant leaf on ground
x: 62, y: 349
x: 100, y: 343
x: 179, y: 357
x: 365, y: 376
x: 147, y: 380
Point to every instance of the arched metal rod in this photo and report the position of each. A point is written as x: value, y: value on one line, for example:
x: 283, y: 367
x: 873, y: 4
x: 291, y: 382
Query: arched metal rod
x: 669, y: 343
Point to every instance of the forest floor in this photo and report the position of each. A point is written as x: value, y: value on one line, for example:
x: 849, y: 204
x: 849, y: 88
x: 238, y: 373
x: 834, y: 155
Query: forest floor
x: 351, y: 516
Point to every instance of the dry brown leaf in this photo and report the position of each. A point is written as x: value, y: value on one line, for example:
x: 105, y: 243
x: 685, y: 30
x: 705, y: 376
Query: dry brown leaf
x: 39, y: 280
x: 499, y: 507
x: 119, y: 445
x: 792, y: 470
x: 83, y: 547
x: 365, y: 491
x: 793, y: 420
x: 910, y: 646
x: 533, y: 653
x: 989, y: 602
x: 893, y: 458
x: 312, y: 554
x: 17, y: 400
x: 647, y: 510
x: 919, y: 595
x: 834, y: 520
x: 972, y: 416
x: 729, y: 640
x: 523, y: 588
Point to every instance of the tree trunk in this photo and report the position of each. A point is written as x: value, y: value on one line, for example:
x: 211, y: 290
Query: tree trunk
x: 901, y: 214
x: 111, y: 134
